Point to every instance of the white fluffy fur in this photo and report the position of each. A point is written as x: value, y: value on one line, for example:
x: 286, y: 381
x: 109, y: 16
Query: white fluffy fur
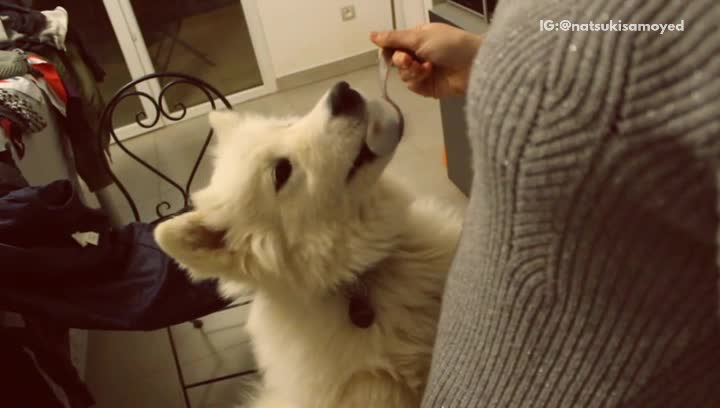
x: 297, y: 248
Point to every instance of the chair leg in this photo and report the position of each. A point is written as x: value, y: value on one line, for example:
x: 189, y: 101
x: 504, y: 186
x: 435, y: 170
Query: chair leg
x: 197, y: 323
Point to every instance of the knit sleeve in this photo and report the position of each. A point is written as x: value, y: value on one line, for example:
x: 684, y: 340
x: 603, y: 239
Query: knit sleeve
x: 587, y: 273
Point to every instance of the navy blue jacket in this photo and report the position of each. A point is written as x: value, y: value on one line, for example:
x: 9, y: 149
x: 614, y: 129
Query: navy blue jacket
x: 124, y: 283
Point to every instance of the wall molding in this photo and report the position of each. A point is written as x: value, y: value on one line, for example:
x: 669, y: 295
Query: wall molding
x: 326, y: 71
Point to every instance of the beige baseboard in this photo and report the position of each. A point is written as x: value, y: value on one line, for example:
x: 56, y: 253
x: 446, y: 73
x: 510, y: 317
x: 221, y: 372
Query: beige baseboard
x: 326, y: 71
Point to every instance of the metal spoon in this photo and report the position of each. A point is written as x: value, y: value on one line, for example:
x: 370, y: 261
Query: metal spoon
x: 384, y: 62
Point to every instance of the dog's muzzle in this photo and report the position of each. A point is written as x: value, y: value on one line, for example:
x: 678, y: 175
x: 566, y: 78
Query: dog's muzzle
x: 385, y: 120
x: 344, y: 100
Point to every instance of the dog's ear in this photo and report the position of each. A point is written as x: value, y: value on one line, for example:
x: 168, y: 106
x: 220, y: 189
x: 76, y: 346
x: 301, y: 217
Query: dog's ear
x: 222, y: 121
x: 194, y: 245
x: 210, y: 253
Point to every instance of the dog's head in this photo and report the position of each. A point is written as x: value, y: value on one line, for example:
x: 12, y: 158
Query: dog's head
x: 292, y: 200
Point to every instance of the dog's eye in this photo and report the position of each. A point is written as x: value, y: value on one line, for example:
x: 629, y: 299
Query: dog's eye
x: 281, y: 173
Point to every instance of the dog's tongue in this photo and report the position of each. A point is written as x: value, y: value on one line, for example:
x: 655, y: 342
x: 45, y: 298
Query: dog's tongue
x: 385, y: 133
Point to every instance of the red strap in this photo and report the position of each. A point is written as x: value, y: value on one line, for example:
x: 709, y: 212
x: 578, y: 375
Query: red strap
x: 14, y: 137
x: 53, y: 79
x: 6, y: 125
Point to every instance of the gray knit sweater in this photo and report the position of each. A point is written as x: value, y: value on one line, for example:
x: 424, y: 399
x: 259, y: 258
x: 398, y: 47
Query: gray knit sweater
x: 586, y: 273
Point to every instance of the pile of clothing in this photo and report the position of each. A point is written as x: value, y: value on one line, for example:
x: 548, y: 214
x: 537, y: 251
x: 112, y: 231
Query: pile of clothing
x: 43, y: 62
x: 64, y: 265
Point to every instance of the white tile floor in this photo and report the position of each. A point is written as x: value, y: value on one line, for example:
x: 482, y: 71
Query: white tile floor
x: 137, y: 369
x: 221, y: 348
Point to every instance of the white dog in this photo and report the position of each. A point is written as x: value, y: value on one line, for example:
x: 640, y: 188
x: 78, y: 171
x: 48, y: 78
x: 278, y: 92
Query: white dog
x: 348, y: 270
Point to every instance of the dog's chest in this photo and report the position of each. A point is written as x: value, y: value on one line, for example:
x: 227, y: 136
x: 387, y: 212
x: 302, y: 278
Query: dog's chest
x: 310, y: 347
x: 316, y: 347
x: 306, y: 330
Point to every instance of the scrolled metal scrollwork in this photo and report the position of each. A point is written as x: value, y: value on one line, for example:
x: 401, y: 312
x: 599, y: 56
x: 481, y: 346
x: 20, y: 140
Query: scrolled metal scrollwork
x: 160, y: 110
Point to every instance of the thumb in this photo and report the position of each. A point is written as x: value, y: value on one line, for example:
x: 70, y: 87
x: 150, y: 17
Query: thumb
x: 405, y: 39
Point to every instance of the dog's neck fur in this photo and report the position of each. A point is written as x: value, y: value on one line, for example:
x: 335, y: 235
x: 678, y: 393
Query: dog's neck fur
x: 379, y: 237
x: 374, y: 230
x: 343, y: 264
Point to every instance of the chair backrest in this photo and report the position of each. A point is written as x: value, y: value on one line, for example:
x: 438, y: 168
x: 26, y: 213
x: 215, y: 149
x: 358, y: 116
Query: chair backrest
x: 170, y: 79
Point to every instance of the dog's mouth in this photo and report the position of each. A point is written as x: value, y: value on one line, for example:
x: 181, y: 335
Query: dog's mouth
x: 365, y: 156
x: 384, y: 131
x: 383, y: 121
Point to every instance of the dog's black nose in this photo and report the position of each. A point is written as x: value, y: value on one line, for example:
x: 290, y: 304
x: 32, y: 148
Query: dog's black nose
x: 344, y: 100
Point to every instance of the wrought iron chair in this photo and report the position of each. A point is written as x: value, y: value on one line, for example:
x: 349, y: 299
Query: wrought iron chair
x: 162, y: 209
x: 129, y: 91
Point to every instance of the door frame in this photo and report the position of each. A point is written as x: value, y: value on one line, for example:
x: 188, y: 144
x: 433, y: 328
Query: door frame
x: 139, y: 63
x: 412, y: 12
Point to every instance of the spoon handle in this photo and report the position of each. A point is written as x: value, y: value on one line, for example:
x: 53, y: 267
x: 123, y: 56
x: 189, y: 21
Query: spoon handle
x: 384, y: 62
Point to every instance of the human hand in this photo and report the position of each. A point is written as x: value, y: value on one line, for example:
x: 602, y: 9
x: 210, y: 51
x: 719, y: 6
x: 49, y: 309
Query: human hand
x: 433, y: 59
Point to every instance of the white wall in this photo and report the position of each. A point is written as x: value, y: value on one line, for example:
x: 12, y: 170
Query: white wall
x: 305, y: 34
